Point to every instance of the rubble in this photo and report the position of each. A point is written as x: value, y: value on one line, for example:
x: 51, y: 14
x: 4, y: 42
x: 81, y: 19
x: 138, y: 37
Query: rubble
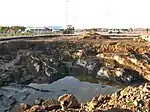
x: 68, y: 101
x: 51, y: 59
x: 142, y: 65
x: 51, y: 104
x: 145, y: 37
x: 119, y: 75
x: 129, y: 99
x: 124, y: 62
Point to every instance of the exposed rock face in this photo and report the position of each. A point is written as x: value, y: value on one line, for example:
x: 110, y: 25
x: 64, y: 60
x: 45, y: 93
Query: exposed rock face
x: 40, y: 62
x: 132, y: 61
x: 92, y: 65
x: 140, y: 63
x: 126, y: 76
x: 29, y: 66
x: 36, y: 64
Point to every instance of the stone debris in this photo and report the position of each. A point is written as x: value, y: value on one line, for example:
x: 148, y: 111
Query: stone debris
x: 51, y: 104
x: 91, y: 105
x: 125, y: 62
x: 145, y: 37
x: 142, y: 65
x: 129, y: 99
x: 119, y: 75
x: 137, y: 62
x: 68, y: 101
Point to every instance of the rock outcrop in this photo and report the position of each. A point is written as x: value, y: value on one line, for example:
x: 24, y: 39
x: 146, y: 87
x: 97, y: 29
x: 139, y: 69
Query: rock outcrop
x: 28, y: 62
x: 119, y: 75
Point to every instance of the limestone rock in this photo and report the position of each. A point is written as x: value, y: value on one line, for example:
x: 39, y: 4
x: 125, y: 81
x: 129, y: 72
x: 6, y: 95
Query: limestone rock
x: 23, y: 107
x: 126, y: 76
x: 103, y: 72
x: 68, y: 101
x: 51, y: 104
x: 38, y: 101
x: 92, y: 104
x: 92, y: 65
x: 36, y: 108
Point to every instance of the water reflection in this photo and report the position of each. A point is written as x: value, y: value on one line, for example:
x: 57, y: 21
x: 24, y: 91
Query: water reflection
x: 82, y: 90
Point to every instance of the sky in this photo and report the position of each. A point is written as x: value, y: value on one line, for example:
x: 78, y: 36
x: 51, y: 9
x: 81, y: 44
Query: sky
x: 81, y: 13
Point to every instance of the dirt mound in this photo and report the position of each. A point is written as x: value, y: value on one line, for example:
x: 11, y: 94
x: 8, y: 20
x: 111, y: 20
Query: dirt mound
x: 95, y: 36
x: 99, y: 37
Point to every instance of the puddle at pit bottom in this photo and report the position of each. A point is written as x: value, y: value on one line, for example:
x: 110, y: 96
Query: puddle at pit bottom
x: 83, y: 91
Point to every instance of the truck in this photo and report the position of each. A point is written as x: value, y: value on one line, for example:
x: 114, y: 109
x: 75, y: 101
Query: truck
x: 116, y: 31
x: 70, y: 30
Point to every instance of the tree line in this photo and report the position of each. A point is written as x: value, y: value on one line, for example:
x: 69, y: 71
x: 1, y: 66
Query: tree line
x: 11, y: 29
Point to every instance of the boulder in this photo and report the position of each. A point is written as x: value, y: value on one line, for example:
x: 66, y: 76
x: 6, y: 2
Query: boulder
x: 23, y: 107
x: 81, y: 62
x: 92, y: 65
x: 68, y: 101
x: 51, y: 104
x: 92, y: 104
x: 103, y: 73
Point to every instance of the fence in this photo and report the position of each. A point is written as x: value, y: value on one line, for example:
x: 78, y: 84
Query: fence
x: 28, y: 34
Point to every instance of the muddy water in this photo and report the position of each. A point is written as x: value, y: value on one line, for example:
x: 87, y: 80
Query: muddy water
x: 83, y: 90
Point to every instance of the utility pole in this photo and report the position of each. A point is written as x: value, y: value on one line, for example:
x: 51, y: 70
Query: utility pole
x: 66, y: 14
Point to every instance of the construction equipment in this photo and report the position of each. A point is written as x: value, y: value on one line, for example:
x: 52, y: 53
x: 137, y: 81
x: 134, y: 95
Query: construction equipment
x: 70, y: 30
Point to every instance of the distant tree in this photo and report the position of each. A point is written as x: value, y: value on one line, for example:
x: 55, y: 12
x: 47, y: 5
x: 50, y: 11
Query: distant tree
x: 12, y: 29
x: 22, y: 28
x: 0, y: 28
x: 131, y: 29
x: 147, y: 30
x: 4, y: 29
x: 125, y: 30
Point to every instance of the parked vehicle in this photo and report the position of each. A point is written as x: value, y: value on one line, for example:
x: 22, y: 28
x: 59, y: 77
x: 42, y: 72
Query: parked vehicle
x: 117, y: 31
x: 70, y: 30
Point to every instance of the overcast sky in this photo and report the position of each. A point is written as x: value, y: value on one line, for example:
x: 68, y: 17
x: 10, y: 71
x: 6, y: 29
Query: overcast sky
x: 81, y: 13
